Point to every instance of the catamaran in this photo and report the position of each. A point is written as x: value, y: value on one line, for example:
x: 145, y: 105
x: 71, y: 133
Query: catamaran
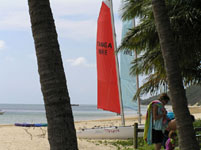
x: 109, y: 94
x: 2, y: 112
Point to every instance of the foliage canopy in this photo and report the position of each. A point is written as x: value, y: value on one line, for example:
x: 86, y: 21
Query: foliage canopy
x: 185, y: 19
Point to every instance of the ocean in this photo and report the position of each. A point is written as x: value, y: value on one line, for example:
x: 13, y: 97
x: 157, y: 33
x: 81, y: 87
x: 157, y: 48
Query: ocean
x: 35, y: 113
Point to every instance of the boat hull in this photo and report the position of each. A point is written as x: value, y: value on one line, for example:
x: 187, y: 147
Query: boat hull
x: 2, y: 112
x: 121, y: 132
x: 31, y: 125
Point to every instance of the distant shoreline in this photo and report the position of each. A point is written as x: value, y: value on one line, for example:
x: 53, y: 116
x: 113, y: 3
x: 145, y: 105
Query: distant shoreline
x: 74, y: 104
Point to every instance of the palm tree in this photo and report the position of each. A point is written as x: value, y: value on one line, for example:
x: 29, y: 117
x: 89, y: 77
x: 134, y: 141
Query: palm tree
x: 144, y: 39
x: 187, y: 139
x: 61, y: 130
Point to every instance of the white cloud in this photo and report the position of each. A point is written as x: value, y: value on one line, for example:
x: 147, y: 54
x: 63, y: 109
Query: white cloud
x: 9, y: 59
x: 82, y: 29
x: 80, y: 61
x: 2, y: 44
x: 75, y: 7
x: 77, y: 30
x: 75, y: 19
x: 80, y: 6
x: 18, y: 20
x: 14, y: 15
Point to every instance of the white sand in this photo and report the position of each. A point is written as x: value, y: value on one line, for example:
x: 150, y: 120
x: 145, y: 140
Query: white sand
x: 29, y: 138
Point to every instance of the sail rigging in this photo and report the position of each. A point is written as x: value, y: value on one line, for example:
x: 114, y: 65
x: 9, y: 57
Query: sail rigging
x: 116, y: 86
x: 128, y: 82
x: 109, y: 91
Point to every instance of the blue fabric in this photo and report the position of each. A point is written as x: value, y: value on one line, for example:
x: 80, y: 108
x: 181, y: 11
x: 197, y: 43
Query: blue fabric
x: 128, y: 82
x: 149, y: 136
x: 170, y: 115
x: 158, y: 124
x: 148, y: 122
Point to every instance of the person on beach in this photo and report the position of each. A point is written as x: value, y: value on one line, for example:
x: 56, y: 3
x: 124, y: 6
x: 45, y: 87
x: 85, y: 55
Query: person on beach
x: 156, y: 121
x: 170, y: 116
x: 170, y: 143
x: 171, y: 127
x: 172, y: 123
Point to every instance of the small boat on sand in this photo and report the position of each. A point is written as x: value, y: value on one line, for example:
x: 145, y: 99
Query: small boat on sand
x: 2, y: 112
x: 109, y: 94
x: 31, y: 124
x: 74, y: 104
x: 113, y: 132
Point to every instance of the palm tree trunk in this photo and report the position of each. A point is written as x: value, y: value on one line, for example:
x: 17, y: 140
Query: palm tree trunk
x: 61, y: 130
x: 187, y: 139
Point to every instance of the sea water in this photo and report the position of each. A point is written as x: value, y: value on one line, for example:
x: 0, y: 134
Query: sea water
x: 35, y: 113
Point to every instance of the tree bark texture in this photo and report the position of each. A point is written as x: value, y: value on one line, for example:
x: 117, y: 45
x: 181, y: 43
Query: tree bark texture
x: 187, y: 139
x: 61, y: 130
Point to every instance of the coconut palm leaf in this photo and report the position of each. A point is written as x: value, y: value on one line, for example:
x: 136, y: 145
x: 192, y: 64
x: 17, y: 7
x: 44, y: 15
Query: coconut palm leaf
x: 185, y: 17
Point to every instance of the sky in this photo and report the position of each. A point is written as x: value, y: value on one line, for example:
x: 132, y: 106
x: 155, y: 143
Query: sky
x: 76, y: 24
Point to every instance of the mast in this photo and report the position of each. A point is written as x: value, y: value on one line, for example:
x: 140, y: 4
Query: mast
x: 117, y: 64
x: 137, y: 86
x: 138, y: 98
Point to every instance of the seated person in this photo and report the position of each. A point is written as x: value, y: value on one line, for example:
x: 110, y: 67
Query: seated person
x: 172, y: 123
x: 171, y: 126
x: 170, y: 143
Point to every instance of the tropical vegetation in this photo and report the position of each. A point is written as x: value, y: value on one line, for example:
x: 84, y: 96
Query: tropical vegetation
x: 128, y: 144
x: 165, y: 57
x: 185, y: 19
x: 186, y: 134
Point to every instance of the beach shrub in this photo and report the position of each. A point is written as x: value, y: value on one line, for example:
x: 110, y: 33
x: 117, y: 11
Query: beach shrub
x: 128, y: 144
x: 197, y: 123
x: 122, y: 144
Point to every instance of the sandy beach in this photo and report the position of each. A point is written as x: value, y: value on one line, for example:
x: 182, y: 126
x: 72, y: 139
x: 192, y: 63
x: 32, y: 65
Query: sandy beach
x: 26, y: 138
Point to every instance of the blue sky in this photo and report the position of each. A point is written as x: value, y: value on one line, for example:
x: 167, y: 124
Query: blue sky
x: 76, y: 22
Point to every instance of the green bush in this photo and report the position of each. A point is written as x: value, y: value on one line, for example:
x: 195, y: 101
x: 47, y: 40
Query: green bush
x: 128, y: 144
x: 197, y: 123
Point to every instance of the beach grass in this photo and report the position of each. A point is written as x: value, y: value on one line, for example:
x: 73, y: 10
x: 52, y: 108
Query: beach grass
x: 128, y: 144
x: 197, y: 123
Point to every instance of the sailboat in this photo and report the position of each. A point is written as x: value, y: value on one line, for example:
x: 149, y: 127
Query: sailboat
x: 2, y: 112
x: 109, y: 94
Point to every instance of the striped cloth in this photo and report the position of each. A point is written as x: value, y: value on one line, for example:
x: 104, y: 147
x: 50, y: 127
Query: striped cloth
x: 149, y: 121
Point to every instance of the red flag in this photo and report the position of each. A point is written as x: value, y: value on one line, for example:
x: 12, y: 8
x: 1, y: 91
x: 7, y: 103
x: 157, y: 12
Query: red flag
x: 108, y: 91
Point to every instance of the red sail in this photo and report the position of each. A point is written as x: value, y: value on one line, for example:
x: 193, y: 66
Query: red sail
x: 108, y: 91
